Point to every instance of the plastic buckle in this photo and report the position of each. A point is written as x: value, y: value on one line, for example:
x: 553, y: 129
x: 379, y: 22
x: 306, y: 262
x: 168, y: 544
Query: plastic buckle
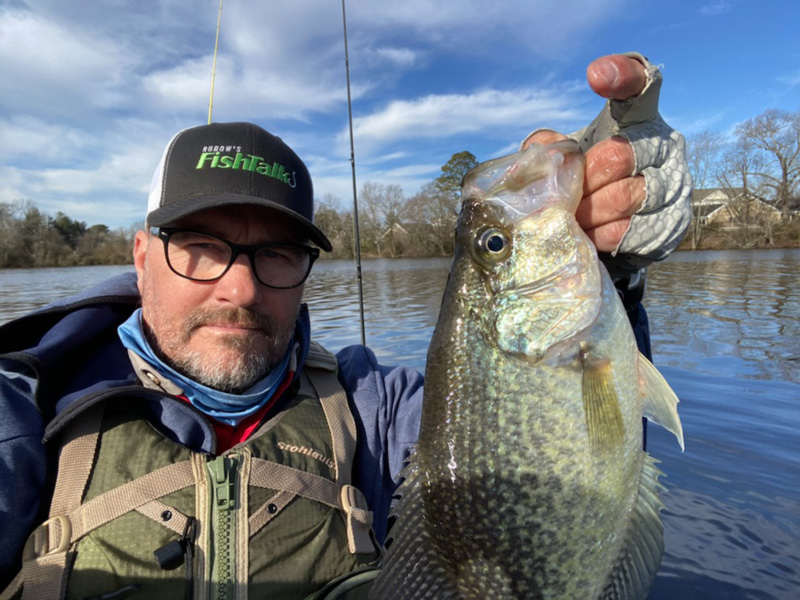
x: 51, y: 537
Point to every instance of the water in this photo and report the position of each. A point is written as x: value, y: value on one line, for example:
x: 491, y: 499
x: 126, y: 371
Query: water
x: 726, y: 335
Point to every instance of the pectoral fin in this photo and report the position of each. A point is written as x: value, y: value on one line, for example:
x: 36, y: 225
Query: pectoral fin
x: 659, y: 402
x: 601, y: 405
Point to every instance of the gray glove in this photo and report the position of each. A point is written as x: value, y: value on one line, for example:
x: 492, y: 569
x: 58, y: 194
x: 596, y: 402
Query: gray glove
x: 659, y: 151
x: 660, y: 155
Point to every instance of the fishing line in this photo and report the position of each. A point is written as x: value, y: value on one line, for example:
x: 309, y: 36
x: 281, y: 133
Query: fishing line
x: 352, y: 156
x: 355, y: 196
x: 214, y: 67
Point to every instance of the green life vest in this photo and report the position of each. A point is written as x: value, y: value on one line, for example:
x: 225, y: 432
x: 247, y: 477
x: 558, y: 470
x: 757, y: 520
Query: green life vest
x: 136, y: 515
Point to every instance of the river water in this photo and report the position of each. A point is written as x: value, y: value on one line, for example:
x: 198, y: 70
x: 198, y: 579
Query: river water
x: 726, y: 335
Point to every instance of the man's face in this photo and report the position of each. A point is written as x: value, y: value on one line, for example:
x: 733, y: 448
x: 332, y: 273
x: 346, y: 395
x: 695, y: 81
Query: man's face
x: 225, y: 334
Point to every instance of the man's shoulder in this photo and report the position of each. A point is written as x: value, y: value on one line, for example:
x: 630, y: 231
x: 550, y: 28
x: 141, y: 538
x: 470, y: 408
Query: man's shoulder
x: 367, y: 380
x: 103, y: 305
x: 118, y: 289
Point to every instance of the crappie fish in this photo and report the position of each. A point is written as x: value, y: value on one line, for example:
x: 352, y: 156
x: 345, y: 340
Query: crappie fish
x: 529, y: 479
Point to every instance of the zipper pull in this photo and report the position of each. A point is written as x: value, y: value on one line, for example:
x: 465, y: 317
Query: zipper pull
x: 223, y: 476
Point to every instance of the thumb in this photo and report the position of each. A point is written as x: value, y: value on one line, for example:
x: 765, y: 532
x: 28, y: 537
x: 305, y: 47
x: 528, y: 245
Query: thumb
x: 641, y: 108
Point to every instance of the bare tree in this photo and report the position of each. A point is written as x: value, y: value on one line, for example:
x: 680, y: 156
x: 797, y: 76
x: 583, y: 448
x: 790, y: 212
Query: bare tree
x: 433, y: 214
x: 739, y: 169
x: 703, y: 152
x: 774, y: 136
x: 383, y: 206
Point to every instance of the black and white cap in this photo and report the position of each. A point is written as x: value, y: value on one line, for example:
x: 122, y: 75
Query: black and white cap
x: 224, y: 164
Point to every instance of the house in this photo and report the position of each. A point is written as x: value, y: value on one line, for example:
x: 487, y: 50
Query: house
x: 731, y: 207
x: 708, y: 205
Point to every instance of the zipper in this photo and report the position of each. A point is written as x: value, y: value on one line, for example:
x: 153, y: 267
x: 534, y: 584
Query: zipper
x: 223, y: 475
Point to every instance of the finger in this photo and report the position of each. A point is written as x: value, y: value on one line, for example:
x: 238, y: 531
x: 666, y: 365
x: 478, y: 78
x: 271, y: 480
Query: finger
x: 616, y: 76
x: 543, y: 136
x: 606, y: 238
x: 612, y: 202
x: 608, y: 161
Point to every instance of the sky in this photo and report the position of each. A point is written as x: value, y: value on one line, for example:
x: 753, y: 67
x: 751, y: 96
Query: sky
x: 92, y: 91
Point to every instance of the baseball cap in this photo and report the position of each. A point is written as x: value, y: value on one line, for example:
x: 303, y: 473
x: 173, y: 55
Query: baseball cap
x: 225, y: 164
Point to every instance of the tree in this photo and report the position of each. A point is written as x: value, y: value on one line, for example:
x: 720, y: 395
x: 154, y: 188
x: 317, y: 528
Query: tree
x: 774, y: 137
x: 8, y: 227
x: 448, y: 184
x: 336, y: 224
x: 738, y: 167
x: 71, y: 231
x: 31, y: 238
x: 383, y: 204
x: 703, y: 152
x: 433, y: 210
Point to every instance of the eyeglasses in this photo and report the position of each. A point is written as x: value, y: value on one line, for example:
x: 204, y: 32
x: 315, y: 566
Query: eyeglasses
x: 206, y: 257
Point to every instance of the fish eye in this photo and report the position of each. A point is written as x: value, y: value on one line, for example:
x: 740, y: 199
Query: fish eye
x: 494, y: 244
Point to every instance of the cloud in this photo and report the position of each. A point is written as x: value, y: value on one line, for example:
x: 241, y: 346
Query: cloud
x: 716, y: 8
x: 445, y: 115
x: 50, y: 69
x: 401, y: 57
x: 791, y: 79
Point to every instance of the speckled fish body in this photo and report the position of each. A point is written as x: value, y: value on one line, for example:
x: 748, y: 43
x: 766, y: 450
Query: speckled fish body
x: 529, y: 479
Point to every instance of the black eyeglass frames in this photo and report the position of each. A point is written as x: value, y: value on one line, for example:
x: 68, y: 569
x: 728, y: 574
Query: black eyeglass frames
x: 206, y: 257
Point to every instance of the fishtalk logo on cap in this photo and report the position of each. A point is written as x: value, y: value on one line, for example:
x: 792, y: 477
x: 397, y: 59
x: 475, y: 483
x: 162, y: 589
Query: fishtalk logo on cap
x: 227, y: 164
x: 217, y: 160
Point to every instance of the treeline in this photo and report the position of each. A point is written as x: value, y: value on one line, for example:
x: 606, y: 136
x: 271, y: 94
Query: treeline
x: 32, y: 238
x: 390, y: 225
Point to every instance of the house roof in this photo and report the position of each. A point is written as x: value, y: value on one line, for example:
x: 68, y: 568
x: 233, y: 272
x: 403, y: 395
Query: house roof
x: 716, y: 195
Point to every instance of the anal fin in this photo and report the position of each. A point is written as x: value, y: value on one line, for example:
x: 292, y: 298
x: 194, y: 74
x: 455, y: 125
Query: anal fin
x: 411, y: 569
x: 640, y: 558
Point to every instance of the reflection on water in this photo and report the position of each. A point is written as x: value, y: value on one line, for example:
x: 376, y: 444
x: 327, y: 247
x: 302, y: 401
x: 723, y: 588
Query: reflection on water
x: 726, y: 335
x: 729, y: 304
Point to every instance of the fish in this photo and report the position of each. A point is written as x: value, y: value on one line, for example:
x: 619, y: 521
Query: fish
x: 529, y: 479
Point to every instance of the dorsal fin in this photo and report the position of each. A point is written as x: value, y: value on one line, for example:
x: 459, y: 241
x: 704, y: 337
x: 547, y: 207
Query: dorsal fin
x: 659, y: 402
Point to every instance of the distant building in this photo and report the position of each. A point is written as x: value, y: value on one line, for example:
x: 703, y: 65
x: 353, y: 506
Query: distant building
x: 708, y: 204
x: 727, y: 207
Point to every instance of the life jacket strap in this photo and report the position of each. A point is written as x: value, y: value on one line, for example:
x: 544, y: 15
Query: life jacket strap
x: 44, y: 565
x: 293, y: 482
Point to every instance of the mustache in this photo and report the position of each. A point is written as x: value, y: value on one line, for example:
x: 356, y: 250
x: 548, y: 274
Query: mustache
x: 240, y: 317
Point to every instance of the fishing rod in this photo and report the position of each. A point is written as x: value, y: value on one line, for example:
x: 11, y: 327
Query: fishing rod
x: 355, y: 195
x: 214, y: 67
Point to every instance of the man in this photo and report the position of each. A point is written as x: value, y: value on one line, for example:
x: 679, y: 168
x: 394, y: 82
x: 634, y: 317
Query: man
x: 202, y: 445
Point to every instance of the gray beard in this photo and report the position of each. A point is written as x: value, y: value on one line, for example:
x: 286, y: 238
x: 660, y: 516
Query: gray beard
x: 252, y: 367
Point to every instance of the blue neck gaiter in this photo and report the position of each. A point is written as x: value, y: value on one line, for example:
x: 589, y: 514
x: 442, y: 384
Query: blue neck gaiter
x: 225, y: 407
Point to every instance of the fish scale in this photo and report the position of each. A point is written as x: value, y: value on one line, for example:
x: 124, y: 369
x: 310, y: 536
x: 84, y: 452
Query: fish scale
x: 528, y: 480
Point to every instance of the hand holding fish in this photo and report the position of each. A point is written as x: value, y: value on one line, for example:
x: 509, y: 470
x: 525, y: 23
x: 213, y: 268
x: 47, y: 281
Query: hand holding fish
x: 637, y: 188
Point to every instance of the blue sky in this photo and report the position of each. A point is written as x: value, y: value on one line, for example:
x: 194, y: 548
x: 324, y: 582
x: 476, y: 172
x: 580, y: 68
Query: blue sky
x: 92, y: 91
